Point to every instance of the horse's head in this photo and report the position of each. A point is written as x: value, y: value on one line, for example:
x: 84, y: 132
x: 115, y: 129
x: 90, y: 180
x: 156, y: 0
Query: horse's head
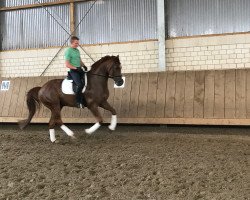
x: 114, y: 70
x: 110, y: 67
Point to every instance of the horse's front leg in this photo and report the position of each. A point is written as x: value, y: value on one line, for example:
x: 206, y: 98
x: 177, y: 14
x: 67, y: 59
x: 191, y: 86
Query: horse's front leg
x: 105, y: 105
x: 96, y: 113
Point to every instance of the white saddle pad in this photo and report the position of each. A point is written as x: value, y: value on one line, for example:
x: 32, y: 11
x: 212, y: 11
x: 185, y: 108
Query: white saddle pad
x: 67, y: 86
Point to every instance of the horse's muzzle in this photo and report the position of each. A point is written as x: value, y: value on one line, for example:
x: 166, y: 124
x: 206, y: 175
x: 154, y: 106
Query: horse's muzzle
x: 118, y: 81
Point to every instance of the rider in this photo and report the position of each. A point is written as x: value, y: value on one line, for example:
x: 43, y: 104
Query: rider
x: 75, y: 64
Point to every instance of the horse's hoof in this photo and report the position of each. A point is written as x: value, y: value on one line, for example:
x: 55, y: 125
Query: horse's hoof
x: 73, y: 137
x: 89, y: 132
x: 111, y: 128
x: 56, y: 142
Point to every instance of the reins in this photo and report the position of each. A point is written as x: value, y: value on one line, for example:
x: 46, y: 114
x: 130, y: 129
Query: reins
x: 101, y: 75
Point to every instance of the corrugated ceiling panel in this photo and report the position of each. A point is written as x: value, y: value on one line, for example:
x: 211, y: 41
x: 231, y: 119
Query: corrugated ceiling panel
x: 117, y: 21
x: 202, y: 17
x: 34, y: 28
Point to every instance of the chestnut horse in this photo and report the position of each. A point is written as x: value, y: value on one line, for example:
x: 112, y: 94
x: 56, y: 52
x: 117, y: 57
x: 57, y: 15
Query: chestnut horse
x: 95, y: 95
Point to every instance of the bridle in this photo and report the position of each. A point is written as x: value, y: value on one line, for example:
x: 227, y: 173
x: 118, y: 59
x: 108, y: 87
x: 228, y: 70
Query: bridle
x: 105, y: 76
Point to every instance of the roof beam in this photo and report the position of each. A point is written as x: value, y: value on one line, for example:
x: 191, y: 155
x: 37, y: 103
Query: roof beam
x: 37, y: 5
x: 72, y: 18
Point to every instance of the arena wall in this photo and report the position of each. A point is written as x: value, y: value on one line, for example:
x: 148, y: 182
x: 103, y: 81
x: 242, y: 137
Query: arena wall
x: 214, y: 52
x: 212, y: 97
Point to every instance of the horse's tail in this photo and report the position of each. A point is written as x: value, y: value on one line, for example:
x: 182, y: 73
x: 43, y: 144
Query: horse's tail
x: 32, y: 103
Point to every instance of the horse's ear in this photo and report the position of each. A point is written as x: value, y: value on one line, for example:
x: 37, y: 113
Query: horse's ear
x: 117, y: 56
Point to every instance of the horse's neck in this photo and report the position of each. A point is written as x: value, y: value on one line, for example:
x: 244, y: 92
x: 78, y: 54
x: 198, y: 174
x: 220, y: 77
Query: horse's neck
x: 100, y: 69
x: 98, y: 76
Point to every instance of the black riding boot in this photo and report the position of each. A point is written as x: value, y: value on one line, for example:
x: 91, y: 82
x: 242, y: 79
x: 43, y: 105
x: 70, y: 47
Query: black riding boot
x: 79, y: 97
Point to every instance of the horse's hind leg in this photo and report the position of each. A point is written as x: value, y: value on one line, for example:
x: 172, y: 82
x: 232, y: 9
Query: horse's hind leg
x: 57, y: 120
x: 108, y: 107
x: 96, y: 113
x: 52, y: 133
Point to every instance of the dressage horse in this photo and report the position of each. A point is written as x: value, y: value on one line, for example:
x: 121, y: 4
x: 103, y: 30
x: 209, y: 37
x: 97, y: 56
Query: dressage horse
x: 95, y: 95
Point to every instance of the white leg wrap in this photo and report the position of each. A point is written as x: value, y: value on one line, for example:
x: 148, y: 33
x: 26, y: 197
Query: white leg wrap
x: 113, y: 123
x: 52, y: 135
x: 67, y: 130
x: 93, y: 128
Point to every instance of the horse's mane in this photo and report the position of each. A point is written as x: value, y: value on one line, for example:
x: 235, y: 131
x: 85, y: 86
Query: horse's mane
x: 102, y: 60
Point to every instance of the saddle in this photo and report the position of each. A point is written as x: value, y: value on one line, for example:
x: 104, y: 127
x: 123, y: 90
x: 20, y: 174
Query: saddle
x: 69, y: 86
x: 69, y: 77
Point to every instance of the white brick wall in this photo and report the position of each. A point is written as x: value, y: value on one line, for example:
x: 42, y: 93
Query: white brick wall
x: 197, y: 53
x: 211, y: 52
x: 135, y: 57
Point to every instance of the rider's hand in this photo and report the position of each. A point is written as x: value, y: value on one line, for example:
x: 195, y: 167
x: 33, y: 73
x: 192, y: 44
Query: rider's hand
x: 84, y: 67
x: 79, y: 69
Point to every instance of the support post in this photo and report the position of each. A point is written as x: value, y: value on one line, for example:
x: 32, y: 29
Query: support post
x: 72, y: 18
x: 161, y: 35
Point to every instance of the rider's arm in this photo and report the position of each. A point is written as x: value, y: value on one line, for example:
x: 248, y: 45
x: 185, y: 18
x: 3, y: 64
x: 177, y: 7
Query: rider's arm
x: 68, y: 65
x: 67, y: 60
x: 85, y: 67
x: 82, y: 64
